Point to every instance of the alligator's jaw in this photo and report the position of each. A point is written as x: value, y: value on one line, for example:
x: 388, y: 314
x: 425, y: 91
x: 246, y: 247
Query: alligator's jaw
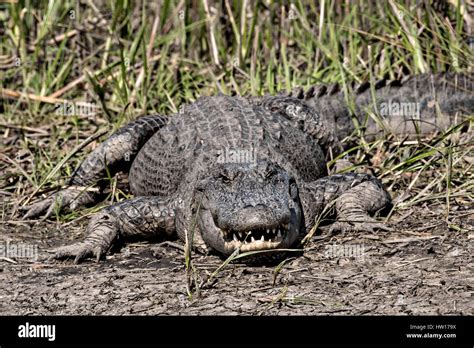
x: 258, y: 239
x: 278, y: 236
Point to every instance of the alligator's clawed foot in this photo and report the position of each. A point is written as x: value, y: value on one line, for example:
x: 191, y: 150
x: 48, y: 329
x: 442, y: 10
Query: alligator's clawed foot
x: 369, y: 226
x: 67, y: 199
x: 79, y: 252
x: 102, y: 236
x: 36, y: 209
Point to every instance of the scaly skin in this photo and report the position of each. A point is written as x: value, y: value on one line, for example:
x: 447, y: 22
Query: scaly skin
x: 252, y: 170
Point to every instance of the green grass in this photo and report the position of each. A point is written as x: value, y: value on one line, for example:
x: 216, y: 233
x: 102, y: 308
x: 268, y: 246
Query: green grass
x: 128, y: 67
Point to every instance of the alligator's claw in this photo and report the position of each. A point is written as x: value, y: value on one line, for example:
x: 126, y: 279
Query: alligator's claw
x: 65, y: 200
x: 80, y: 251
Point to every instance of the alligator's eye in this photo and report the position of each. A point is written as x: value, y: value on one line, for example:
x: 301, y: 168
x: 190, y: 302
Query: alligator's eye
x: 269, y: 173
x: 225, y: 178
x: 227, y: 175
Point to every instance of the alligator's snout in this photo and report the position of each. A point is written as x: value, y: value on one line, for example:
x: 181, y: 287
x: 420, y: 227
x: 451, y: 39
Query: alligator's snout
x: 254, y: 218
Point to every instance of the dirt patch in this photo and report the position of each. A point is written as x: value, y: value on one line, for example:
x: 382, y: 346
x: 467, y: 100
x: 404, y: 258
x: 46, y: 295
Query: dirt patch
x: 424, y: 266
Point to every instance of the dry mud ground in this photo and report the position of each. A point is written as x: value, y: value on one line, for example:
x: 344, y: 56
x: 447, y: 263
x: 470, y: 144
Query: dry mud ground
x: 422, y: 267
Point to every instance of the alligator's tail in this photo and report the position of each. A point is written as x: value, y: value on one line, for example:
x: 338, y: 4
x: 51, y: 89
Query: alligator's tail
x: 416, y: 105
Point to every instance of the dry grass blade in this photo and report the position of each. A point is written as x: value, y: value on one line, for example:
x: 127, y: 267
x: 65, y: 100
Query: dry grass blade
x: 212, y: 36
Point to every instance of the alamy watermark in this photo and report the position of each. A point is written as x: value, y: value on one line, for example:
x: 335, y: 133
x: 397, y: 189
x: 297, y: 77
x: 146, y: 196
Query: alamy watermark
x: 28, y: 330
x: 395, y: 108
x: 13, y: 250
x: 356, y: 251
x: 75, y: 109
x: 237, y: 155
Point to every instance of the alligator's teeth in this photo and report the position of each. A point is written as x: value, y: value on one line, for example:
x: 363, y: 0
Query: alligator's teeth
x: 235, y: 238
x: 268, y: 231
x: 262, y: 238
x: 279, y: 234
x: 252, y: 239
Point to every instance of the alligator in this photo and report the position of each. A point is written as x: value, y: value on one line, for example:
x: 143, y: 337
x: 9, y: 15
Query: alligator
x: 237, y: 174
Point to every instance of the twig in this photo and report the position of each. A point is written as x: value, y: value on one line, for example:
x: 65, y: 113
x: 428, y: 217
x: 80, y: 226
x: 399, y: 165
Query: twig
x: 409, y: 239
x: 412, y: 262
x: 8, y: 260
x: 24, y: 128
x: 8, y: 93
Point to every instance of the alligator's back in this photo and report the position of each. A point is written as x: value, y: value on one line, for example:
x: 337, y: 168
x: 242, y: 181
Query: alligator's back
x: 222, y: 129
x: 234, y: 129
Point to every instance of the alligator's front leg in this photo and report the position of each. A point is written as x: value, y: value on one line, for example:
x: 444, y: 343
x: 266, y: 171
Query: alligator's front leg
x: 356, y: 198
x: 141, y: 218
x: 306, y: 118
x: 114, y: 154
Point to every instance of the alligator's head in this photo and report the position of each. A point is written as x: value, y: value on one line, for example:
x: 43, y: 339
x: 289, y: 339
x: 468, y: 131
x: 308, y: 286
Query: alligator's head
x: 251, y: 206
